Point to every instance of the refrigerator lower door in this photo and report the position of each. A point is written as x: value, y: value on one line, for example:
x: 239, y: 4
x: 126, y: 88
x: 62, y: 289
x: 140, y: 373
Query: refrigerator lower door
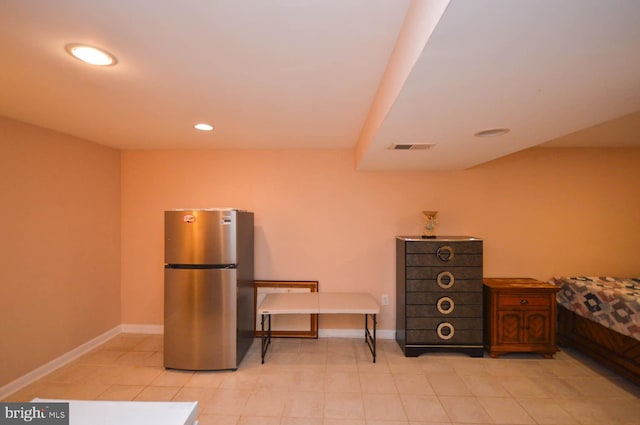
x: 200, y: 319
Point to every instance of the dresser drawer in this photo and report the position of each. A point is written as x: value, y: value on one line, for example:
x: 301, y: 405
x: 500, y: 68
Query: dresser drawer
x: 431, y: 285
x: 524, y: 300
x: 443, y: 310
x: 460, y: 336
x: 433, y: 260
x: 434, y: 272
x: 432, y: 247
x: 426, y: 298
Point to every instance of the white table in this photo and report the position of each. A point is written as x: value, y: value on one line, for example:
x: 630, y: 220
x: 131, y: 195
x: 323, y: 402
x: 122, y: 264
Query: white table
x: 88, y: 412
x: 319, y: 303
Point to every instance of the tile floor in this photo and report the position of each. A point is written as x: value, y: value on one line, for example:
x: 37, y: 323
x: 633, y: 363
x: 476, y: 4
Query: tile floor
x: 333, y: 381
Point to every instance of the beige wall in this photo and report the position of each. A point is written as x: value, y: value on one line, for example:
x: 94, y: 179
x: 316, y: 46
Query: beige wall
x: 60, y: 245
x: 541, y: 212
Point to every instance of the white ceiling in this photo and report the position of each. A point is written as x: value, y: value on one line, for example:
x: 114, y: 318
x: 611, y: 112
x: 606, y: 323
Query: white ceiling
x: 361, y: 74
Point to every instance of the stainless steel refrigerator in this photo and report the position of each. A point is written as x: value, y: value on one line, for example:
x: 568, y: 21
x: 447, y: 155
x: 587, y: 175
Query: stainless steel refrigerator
x: 208, y: 288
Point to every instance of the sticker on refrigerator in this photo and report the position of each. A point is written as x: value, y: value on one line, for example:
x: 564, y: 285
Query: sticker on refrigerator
x: 189, y: 218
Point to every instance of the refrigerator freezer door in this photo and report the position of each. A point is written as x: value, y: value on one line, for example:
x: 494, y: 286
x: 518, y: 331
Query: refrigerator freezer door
x: 200, y: 319
x: 200, y: 237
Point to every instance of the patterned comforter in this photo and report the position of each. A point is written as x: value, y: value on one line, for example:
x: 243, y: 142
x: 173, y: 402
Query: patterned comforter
x: 612, y: 302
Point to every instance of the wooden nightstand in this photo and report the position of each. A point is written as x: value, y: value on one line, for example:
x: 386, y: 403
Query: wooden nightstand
x: 520, y: 316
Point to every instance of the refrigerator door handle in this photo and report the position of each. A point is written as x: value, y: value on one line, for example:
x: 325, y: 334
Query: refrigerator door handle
x: 200, y: 266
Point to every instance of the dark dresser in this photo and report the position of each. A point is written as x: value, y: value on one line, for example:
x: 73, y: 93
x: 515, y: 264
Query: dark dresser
x: 439, y: 295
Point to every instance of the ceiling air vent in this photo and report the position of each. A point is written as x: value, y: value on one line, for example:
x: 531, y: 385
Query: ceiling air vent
x: 412, y: 146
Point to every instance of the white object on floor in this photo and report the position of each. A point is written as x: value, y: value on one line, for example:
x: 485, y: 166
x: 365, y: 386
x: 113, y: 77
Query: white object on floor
x: 88, y: 412
x: 319, y: 303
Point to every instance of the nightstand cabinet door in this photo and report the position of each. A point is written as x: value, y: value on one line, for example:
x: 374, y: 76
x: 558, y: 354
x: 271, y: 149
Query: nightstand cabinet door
x: 527, y: 327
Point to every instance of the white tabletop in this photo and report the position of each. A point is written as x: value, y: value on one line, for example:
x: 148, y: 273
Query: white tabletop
x: 349, y: 302
x: 87, y: 412
x: 319, y: 302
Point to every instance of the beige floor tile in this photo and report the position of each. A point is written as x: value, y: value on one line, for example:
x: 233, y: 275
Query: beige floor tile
x: 487, y: 386
x: 304, y: 405
x: 334, y: 421
x: 387, y: 422
x: 151, y: 343
x: 343, y: 406
x: 306, y: 380
x: 109, y: 374
x: 227, y: 402
x: 265, y: 403
x: 624, y: 411
x: 505, y: 410
x: 258, y: 420
x: 590, y: 411
x: 208, y: 419
x: 412, y: 384
x: 337, y: 362
x: 423, y: 408
x: 125, y: 342
x: 102, y: 357
x: 466, y: 365
x: 135, y: 358
x: 597, y: 386
x: 377, y: 383
x: 239, y: 381
x: 523, y: 386
x: 342, y: 382
x: 383, y: 407
x: 275, y: 380
x: 380, y: 366
x: 204, y: 379
x: 436, y: 365
x: 132, y: 375
x: 201, y: 395
x: 302, y: 421
x: 75, y: 372
x: 557, y: 388
x: 547, y: 411
x: 465, y: 410
x: 448, y: 384
x: 152, y: 393
x: 121, y: 392
x: 172, y: 378
x: 85, y: 391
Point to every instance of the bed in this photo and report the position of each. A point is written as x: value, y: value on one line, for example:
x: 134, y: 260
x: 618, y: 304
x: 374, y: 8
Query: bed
x: 600, y: 316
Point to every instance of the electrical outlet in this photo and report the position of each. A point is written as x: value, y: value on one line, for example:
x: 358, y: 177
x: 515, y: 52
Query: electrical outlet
x: 385, y: 299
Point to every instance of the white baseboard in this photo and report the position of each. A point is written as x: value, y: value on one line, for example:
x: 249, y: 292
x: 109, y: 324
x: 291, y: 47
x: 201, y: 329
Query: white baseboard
x: 354, y: 333
x: 57, y: 363
x: 142, y: 329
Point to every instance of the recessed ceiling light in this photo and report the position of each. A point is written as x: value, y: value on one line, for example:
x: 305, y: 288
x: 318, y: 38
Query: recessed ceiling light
x: 203, y: 126
x: 494, y: 132
x: 91, y: 55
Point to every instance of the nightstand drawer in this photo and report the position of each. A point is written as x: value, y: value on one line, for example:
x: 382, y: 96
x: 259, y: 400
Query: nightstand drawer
x: 523, y: 300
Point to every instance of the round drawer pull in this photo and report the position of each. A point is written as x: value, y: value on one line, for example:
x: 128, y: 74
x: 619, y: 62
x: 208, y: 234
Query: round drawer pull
x: 445, y: 305
x: 445, y: 253
x: 445, y: 330
x: 445, y: 284
x: 524, y: 302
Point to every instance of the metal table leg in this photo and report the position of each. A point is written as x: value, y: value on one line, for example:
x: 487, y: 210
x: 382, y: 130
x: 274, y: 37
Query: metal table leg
x: 368, y: 337
x: 265, y: 340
